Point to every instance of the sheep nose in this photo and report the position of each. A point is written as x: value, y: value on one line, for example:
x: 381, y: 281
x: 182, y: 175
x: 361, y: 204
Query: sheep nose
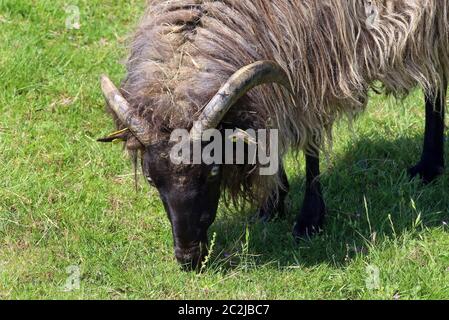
x: 191, y: 258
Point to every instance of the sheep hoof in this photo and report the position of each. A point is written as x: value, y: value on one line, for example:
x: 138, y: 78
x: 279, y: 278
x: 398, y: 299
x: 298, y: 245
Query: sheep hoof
x: 427, y: 172
x: 270, y: 213
x: 310, y: 221
x: 306, y: 230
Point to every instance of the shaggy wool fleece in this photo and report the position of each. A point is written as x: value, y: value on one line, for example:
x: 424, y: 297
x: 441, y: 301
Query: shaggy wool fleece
x: 333, y: 51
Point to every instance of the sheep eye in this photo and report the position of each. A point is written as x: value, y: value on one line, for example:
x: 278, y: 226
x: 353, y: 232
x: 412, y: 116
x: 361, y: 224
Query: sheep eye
x: 150, y: 181
x: 215, y: 171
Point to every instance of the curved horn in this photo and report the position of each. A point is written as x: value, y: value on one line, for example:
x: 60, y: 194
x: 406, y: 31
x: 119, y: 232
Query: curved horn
x: 138, y: 126
x: 238, y: 85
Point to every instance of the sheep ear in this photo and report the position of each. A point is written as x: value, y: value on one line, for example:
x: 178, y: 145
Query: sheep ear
x: 133, y: 144
x: 244, y: 136
x: 121, y: 135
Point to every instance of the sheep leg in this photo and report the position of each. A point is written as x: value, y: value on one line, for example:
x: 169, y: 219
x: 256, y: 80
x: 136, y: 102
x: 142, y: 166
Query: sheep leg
x: 432, y: 160
x: 275, y: 205
x: 311, y: 218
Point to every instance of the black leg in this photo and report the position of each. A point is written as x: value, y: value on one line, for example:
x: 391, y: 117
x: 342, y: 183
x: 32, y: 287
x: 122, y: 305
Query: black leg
x: 311, y: 218
x: 432, y: 159
x: 275, y: 205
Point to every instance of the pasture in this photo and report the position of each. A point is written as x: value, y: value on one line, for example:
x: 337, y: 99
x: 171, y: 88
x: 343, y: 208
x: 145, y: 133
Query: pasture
x: 69, y: 208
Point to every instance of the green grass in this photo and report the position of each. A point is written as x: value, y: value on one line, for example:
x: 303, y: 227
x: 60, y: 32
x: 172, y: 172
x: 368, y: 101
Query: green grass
x: 67, y: 201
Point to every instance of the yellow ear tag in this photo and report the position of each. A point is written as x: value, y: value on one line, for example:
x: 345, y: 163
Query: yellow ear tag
x: 115, y: 137
x: 116, y: 133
